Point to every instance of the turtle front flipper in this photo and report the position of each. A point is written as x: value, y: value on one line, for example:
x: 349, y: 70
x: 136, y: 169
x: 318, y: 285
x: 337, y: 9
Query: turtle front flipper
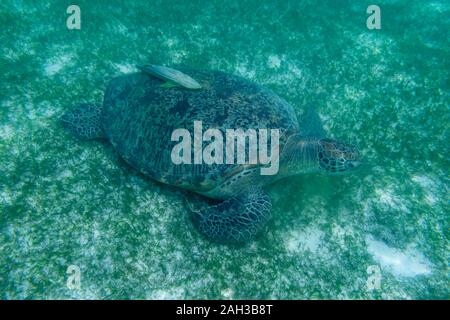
x: 171, y: 76
x: 235, y: 220
x: 84, y: 121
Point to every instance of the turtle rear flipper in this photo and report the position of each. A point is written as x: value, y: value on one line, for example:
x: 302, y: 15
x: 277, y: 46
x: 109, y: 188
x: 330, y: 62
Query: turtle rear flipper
x: 235, y: 220
x: 84, y: 121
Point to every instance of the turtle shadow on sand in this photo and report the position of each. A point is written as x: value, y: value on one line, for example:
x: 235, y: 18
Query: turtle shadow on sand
x: 141, y: 110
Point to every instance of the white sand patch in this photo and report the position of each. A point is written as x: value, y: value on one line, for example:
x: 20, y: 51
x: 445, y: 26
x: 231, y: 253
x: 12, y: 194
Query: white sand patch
x: 41, y: 110
x: 340, y: 234
x: 5, y: 198
x: 287, y: 73
x: 374, y: 44
x: 429, y: 188
x: 177, y: 56
x: 227, y: 293
x: 296, y: 71
x: 242, y: 70
x: 171, y: 42
x: 378, y: 70
x: 367, y: 39
x: 439, y: 6
x: 125, y: 68
x: 309, y: 239
x: 56, y: 64
x: 274, y: 62
x: 405, y: 79
x: 388, y: 198
x: 353, y: 93
x: 120, y: 28
x: 66, y: 173
x: 6, y: 132
x: 408, y: 263
x: 169, y: 294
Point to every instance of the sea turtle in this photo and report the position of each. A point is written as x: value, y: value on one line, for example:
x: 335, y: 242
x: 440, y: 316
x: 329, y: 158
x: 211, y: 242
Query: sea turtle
x: 141, y: 110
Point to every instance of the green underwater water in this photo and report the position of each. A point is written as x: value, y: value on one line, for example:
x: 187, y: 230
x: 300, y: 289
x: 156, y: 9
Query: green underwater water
x: 65, y: 202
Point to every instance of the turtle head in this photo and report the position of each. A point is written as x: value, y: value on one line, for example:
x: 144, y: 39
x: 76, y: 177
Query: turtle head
x: 311, y: 154
x: 337, y: 157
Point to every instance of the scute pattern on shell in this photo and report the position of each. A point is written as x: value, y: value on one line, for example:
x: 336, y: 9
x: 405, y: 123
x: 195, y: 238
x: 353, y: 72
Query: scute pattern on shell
x: 139, y: 117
